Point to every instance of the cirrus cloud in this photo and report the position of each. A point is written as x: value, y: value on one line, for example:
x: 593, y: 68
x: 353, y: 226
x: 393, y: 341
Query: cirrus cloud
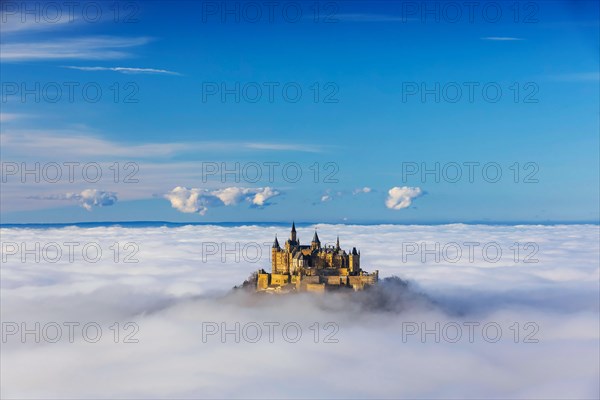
x: 84, y: 48
x: 501, y: 38
x: 125, y: 70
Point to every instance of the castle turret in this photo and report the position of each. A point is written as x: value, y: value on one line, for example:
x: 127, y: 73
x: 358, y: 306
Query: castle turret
x: 293, y: 234
x: 316, y: 243
x: 354, y: 260
x: 337, y: 243
x: 275, y: 249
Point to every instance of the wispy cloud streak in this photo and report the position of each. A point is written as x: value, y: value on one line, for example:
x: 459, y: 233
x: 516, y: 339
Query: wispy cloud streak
x: 502, y: 38
x: 68, y: 143
x: 85, y: 48
x: 125, y: 70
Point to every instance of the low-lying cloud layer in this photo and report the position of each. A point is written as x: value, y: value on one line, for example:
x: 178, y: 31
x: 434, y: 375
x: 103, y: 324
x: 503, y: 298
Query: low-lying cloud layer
x: 399, y: 341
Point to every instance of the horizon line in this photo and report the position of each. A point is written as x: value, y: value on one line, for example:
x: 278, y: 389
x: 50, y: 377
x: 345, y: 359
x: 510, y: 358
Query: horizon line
x: 301, y: 223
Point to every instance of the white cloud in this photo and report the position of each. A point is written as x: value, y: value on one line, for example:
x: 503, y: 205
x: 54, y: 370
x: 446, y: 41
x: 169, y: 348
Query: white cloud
x: 187, y: 200
x: 87, y: 198
x: 373, y: 18
x: 69, y: 143
x: 365, y: 189
x: 12, y: 21
x: 330, y: 195
x: 85, y: 48
x: 284, y: 147
x: 126, y: 70
x: 95, y: 198
x: 402, y: 197
x: 81, y: 142
x: 230, y: 196
x: 577, y: 77
x: 501, y: 38
x: 6, y: 117
x: 172, y: 291
x: 153, y: 165
x: 260, y: 198
x: 198, y: 200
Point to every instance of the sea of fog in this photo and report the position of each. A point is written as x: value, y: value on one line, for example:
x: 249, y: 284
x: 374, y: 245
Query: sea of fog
x: 476, y: 311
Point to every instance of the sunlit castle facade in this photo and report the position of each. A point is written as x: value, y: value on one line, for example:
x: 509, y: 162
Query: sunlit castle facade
x: 313, y: 267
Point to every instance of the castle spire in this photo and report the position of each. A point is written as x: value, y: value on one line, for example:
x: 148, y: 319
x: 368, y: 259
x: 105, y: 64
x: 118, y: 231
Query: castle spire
x: 293, y: 235
x: 276, y: 243
x: 337, y: 243
x: 316, y: 238
x: 316, y: 243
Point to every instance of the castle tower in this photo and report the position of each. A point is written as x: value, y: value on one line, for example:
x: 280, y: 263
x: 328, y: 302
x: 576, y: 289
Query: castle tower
x: 275, y: 249
x: 293, y: 234
x: 292, y: 242
x: 354, y: 260
x: 316, y: 243
x: 337, y: 243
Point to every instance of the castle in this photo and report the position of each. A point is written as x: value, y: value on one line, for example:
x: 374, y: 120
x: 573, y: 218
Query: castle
x: 313, y: 267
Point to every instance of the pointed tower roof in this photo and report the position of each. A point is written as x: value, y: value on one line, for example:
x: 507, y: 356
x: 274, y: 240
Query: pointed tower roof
x: 337, y: 243
x: 276, y: 243
x: 316, y: 237
x: 293, y: 237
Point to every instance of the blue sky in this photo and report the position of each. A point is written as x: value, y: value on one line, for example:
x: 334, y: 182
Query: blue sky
x: 370, y: 126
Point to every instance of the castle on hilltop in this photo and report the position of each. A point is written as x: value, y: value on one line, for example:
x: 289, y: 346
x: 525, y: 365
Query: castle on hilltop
x: 313, y: 267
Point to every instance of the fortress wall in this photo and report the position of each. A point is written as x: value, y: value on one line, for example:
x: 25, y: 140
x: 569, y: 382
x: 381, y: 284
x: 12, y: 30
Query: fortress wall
x: 354, y: 280
x: 311, y: 279
x: 333, y: 280
x: 263, y: 281
x: 280, y: 279
x: 315, y: 287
